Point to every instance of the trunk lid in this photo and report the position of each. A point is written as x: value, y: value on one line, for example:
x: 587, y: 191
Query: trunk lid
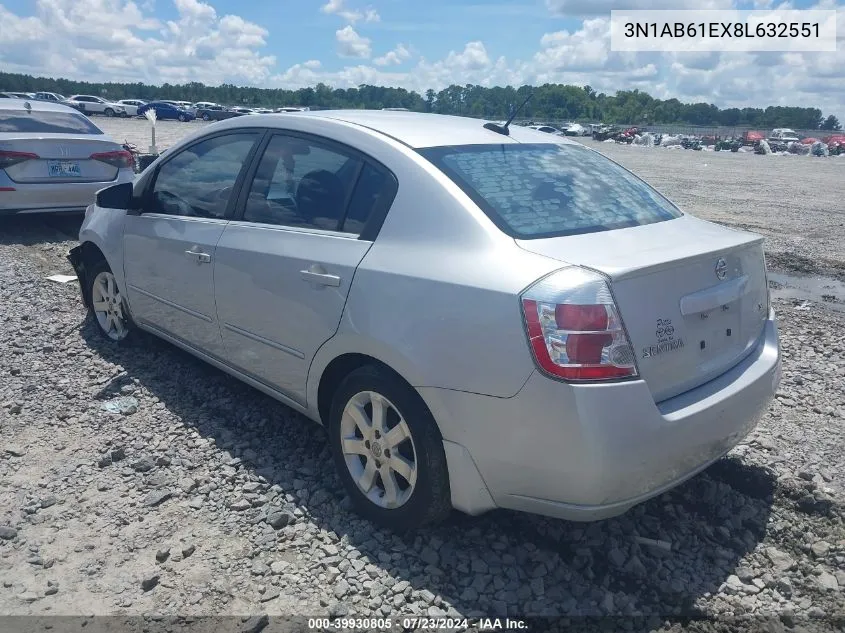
x: 692, y: 294
x: 61, y: 158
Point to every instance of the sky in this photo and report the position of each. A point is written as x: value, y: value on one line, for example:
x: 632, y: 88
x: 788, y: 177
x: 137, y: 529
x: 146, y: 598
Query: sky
x: 415, y: 44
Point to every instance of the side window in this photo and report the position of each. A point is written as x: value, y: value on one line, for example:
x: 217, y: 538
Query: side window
x: 301, y: 183
x: 199, y: 180
x: 375, y: 188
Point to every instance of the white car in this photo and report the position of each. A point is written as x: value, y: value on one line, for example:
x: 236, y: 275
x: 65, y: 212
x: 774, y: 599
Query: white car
x: 90, y: 104
x: 186, y: 105
x: 131, y: 106
x: 54, y: 159
x: 576, y: 129
x: 784, y: 135
x: 55, y: 97
x: 548, y: 129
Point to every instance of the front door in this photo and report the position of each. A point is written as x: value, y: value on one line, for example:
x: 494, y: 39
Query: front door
x: 283, y: 270
x: 170, y: 246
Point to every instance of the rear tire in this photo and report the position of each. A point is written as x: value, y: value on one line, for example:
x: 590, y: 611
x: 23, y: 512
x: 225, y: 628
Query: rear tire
x: 108, y: 112
x: 392, y: 464
x: 107, y: 305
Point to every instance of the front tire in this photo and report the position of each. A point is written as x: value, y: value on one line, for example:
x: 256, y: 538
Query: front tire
x: 107, y: 305
x: 388, y: 451
x: 206, y: 117
x: 183, y: 118
x: 108, y: 112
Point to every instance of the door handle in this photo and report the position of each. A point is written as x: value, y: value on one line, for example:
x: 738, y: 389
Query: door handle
x: 317, y: 275
x: 202, y: 258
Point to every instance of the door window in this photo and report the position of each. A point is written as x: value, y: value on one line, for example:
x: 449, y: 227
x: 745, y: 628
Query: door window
x: 199, y: 180
x: 375, y: 188
x: 301, y: 183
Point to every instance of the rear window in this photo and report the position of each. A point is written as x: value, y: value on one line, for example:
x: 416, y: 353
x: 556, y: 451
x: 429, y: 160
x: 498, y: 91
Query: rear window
x: 45, y: 121
x: 547, y: 189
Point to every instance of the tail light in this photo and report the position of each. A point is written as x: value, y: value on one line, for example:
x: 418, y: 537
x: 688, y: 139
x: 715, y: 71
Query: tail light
x: 118, y: 158
x: 7, y: 158
x: 574, y: 327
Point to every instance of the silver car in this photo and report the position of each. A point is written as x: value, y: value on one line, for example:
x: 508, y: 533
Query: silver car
x: 52, y: 158
x: 481, y: 317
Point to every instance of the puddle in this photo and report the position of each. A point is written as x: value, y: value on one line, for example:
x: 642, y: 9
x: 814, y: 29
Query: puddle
x: 819, y: 289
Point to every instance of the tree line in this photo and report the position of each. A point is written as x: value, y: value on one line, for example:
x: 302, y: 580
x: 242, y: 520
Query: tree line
x: 550, y: 102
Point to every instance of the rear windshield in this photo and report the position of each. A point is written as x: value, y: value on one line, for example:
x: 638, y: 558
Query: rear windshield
x: 547, y: 189
x: 47, y: 122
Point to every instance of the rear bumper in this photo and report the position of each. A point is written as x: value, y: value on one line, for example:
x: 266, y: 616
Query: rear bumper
x: 48, y: 197
x: 589, y: 452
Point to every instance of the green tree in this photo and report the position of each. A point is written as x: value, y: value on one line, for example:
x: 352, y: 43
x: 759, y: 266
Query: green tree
x: 831, y: 123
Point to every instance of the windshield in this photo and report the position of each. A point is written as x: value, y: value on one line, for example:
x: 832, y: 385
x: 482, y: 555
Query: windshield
x: 46, y: 122
x: 546, y: 189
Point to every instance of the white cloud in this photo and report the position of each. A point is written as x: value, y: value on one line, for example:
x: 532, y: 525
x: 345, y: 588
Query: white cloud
x: 338, y: 7
x: 604, y: 7
x: 114, y: 40
x: 350, y: 44
x: 395, y: 57
x: 121, y: 40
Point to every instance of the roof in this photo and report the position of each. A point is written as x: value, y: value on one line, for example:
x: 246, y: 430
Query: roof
x: 418, y: 129
x: 42, y: 106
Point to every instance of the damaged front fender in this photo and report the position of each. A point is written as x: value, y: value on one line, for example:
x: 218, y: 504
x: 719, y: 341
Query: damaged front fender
x: 76, y: 257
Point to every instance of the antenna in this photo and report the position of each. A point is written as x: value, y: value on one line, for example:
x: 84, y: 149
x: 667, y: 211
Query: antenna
x: 503, y: 129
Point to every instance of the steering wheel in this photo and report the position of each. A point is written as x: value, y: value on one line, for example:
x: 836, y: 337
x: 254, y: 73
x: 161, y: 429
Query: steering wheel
x: 184, y: 207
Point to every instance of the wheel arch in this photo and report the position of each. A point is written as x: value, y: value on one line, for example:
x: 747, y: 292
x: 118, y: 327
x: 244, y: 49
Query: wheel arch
x: 343, y: 354
x: 84, y: 258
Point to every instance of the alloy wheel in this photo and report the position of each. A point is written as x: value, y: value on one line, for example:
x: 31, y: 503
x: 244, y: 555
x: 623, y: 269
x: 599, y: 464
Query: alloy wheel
x: 108, y: 306
x: 378, y: 449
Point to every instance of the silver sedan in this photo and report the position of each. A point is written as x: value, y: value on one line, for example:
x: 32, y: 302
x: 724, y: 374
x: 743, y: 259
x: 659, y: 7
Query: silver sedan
x: 481, y: 316
x: 52, y: 158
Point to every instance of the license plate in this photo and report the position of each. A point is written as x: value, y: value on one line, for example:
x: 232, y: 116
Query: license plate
x: 63, y: 168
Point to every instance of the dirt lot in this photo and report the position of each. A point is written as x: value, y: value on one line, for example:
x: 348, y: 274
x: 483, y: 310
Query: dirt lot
x: 203, y: 496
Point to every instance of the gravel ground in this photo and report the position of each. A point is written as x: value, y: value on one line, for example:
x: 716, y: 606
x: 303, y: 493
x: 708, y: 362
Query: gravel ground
x: 199, y: 495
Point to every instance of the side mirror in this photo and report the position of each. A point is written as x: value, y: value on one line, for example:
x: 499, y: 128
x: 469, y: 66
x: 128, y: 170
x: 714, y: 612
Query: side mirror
x: 116, y: 196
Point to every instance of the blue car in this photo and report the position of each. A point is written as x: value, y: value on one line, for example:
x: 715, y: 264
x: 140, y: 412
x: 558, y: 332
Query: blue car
x: 167, y: 110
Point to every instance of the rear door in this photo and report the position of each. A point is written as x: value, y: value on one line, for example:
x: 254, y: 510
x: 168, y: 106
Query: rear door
x: 170, y: 244
x: 284, y: 267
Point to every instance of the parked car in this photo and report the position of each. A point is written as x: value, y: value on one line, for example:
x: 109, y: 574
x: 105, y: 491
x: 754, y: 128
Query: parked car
x: 242, y: 110
x: 17, y: 95
x: 216, y: 113
x: 204, y: 105
x: 185, y: 105
x: 548, y: 129
x: 52, y: 158
x: 131, y: 106
x: 293, y: 109
x: 166, y: 110
x: 576, y: 129
x: 784, y: 135
x: 90, y: 104
x: 480, y: 319
x: 50, y: 96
